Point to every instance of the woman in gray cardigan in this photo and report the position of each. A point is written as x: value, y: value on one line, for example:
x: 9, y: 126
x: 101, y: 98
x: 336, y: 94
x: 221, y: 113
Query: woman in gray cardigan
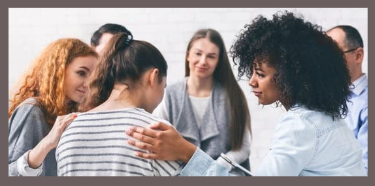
x: 208, y: 107
x: 53, y: 87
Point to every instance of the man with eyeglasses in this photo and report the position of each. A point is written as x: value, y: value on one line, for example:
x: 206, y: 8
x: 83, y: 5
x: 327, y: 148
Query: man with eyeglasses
x: 350, y: 41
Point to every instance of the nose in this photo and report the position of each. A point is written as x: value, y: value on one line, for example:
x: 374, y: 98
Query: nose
x: 202, y: 60
x: 252, y: 81
x: 85, y: 84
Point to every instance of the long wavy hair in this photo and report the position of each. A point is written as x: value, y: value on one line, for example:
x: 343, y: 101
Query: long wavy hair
x: 310, y: 67
x: 46, y: 78
x: 223, y: 74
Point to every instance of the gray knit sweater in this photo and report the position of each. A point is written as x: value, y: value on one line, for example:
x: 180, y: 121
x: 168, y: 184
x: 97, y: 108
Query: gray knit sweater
x: 26, y: 128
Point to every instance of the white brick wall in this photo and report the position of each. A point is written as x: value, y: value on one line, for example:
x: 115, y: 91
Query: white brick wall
x: 169, y: 29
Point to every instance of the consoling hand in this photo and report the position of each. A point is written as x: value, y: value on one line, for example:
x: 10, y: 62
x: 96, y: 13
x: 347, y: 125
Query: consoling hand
x: 163, y: 141
x: 53, y: 137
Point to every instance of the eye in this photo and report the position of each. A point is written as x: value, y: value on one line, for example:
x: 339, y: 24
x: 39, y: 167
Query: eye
x: 197, y: 53
x: 82, y: 73
x: 260, y: 75
x: 212, y: 57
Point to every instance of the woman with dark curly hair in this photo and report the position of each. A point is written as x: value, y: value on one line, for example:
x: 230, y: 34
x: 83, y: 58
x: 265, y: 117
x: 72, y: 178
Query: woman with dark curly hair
x: 293, y: 63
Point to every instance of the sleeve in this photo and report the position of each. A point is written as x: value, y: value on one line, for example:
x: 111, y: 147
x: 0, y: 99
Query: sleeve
x: 25, y: 132
x: 201, y: 164
x: 161, y: 110
x: 363, y: 136
x: 292, y: 148
x: 240, y: 155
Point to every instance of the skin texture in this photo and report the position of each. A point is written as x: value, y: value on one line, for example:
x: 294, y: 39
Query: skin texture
x: 76, y: 75
x: 263, y: 85
x: 353, y: 58
x: 164, y: 141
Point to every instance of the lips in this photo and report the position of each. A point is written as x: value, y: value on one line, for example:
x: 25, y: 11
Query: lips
x: 201, y: 69
x: 256, y: 93
x: 81, y: 91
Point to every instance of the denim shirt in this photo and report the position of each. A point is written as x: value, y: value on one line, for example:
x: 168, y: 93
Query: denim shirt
x: 357, y: 116
x: 306, y: 143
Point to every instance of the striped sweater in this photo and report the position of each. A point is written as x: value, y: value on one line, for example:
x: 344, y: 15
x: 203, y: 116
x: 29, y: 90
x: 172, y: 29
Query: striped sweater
x: 95, y: 144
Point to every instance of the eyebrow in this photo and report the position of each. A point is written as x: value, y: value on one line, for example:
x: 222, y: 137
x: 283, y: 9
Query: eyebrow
x: 85, y: 68
x: 257, y: 68
x: 199, y: 50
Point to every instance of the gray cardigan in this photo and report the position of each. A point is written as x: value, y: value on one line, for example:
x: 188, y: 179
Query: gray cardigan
x: 213, y: 137
x: 26, y: 128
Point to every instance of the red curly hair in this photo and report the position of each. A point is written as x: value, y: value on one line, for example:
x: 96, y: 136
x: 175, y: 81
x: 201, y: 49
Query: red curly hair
x: 46, y: 78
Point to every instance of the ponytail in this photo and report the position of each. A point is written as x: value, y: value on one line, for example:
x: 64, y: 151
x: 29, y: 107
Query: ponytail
x: 124, y: 60
x: 105, y: 74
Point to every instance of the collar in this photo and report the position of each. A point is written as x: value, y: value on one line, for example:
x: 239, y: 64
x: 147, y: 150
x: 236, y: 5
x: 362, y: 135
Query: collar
x: 359, y: 85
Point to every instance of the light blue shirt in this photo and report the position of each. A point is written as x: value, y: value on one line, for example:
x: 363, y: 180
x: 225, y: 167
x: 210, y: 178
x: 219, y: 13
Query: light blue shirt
x: 357, y: 117
x: 306, y: 143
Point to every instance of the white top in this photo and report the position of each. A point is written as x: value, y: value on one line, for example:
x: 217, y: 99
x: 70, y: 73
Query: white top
x: 199, y: 107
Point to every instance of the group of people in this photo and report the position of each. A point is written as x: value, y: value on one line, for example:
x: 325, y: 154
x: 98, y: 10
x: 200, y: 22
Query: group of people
x: 101, y: 110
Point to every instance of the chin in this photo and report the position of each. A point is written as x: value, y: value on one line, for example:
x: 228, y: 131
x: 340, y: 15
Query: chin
x: 77, y: 100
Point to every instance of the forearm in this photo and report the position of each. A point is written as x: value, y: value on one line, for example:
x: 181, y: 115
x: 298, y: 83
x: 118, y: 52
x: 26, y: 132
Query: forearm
x: 38, y: 154
x: 187, y: 151
x: 20, y: 167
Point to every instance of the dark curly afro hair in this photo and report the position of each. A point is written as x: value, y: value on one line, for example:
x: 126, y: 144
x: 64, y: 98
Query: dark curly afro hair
x: 310, y: 67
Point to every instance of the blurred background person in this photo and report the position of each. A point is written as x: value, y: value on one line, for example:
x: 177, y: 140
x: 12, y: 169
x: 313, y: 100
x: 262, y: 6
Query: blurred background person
x: 350, y: 41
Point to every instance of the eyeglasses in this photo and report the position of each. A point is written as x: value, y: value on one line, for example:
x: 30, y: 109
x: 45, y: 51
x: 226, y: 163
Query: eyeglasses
x: 351, y: 50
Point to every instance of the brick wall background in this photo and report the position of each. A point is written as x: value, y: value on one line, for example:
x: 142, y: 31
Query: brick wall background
x: 169, y: 29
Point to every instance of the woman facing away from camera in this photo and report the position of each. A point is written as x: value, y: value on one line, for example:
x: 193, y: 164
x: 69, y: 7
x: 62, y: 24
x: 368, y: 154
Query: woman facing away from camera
x: 294, y: 63
x: 53, y: 88
x: 208, y: 107
x: 127, y: 85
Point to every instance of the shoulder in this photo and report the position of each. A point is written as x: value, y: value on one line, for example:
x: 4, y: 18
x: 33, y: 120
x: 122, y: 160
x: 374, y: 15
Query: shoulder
x: 178, y: 86
x: 28, y: 107
x: 28, y: 121
x: 27, y: 111
x: 301, y: 120
x: 152, y: 117
x: 296, y: 130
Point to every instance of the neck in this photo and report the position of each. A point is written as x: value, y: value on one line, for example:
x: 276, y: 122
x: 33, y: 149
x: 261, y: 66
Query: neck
x: 200, y: 87
x: 121, y: 97
x: 355, y: 75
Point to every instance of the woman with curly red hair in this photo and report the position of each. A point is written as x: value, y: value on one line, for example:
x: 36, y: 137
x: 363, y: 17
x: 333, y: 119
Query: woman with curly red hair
x: 53, y: 87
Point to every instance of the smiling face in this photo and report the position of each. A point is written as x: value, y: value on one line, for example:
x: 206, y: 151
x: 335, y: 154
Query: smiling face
x: 203, y: 58
x: 263, y: 84
x: 76, y: 76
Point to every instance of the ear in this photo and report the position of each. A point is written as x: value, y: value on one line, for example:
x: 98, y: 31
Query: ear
x: 359, y: 55
x: 154, y: 77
